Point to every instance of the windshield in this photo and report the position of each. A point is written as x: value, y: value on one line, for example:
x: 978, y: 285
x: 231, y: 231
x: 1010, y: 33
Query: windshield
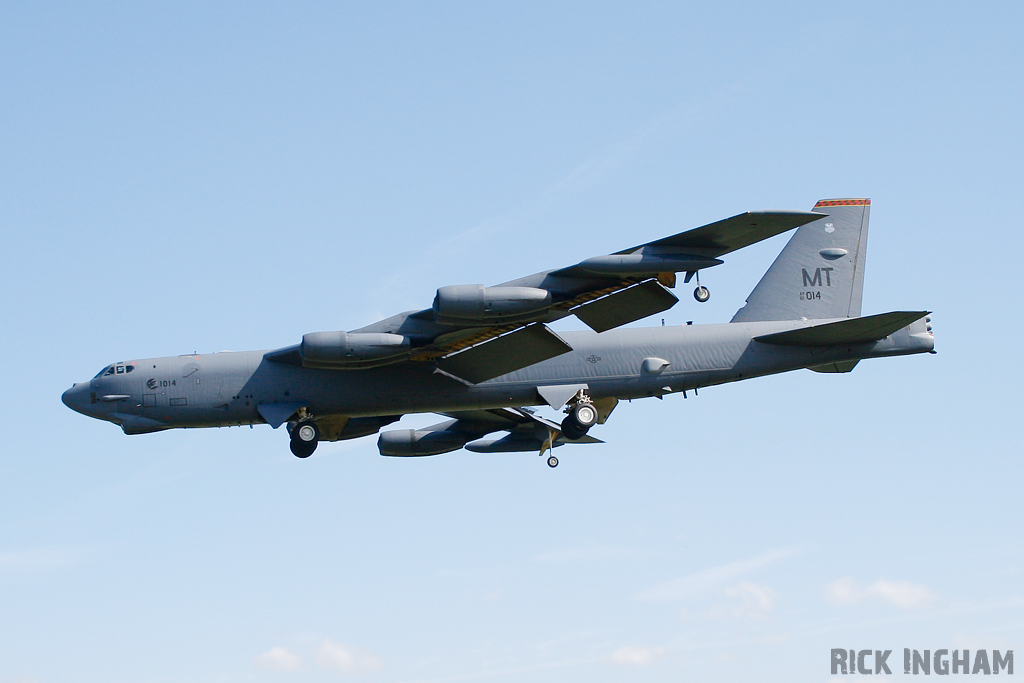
x: 118, y: 368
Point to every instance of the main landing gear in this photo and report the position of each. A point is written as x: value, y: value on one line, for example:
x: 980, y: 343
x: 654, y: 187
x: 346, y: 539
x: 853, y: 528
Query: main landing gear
x: 305, y: 436
x: 582, y: 416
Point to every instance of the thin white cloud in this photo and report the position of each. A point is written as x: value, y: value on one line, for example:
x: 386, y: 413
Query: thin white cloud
x: 903, y: 594
x: 757, y: 600
x: 346, y: 659
x: 40, y: 558
x: 594, y: 552
x: 636, y: 655
x: 498, y: 673
x: 279, y: 659
x: 585, y: 175
x: 700, y: 583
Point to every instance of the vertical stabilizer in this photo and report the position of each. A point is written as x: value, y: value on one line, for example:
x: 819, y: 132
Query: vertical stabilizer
x: 820, y: 273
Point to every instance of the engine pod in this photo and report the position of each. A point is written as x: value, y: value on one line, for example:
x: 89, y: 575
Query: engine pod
x: 341, y: 348
x: 415, y: 442
x: 464, y: 303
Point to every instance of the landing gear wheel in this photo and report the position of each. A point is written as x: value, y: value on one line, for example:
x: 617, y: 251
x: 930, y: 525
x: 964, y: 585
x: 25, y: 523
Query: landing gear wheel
x: 585, y: 415
x: 701, y: 294
x: 571, y: 429
x: 305, y: 436
x: 552, y: 461
x: 306, y: 432
x: 301, y: 449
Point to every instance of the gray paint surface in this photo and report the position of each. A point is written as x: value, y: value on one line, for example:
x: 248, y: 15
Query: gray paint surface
x: 255, y: 387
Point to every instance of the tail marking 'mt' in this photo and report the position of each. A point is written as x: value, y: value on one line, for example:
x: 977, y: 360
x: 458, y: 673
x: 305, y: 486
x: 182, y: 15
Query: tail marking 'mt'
x: 820, y: 273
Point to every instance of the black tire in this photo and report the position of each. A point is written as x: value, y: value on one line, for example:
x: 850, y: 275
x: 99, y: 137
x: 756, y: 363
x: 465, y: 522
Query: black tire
x: 585, y: 415
x: 552, y: 461
x: 701, y: 294
x: 302, y: 449
x: 571, y: 429
x: 306, y: 432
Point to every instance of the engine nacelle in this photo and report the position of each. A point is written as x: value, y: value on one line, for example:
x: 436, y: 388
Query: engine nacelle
x: 461, y: 303
x: 344, y: 348
x: 413, y: 442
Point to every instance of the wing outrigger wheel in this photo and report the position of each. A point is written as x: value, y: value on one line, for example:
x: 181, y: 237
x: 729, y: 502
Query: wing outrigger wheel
x: 305, y: 436
x: 552, y: 461
x: 701, y: 293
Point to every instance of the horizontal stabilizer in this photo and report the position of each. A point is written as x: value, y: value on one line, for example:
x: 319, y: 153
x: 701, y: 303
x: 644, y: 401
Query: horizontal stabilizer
x: 502, y: 355
x: 625, y: 306
x: 852, y: 331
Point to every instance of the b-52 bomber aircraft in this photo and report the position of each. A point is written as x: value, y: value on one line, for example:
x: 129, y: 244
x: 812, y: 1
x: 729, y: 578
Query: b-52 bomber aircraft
x: 484, y: 357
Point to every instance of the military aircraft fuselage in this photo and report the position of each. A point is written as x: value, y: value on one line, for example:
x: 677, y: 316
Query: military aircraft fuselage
x: 482, y: 356
x: 238, y: 388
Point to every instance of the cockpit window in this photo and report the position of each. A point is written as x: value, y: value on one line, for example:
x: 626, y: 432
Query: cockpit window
x: 112, y: 369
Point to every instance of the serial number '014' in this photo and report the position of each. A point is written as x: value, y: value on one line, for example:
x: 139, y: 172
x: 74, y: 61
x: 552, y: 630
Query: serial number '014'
x: 154, y: 383
x: 807, y: 296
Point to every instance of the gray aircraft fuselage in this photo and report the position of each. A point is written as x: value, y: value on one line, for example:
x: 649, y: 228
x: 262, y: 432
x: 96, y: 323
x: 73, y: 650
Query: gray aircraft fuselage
x: 482, y: 355
x: 225, y: 389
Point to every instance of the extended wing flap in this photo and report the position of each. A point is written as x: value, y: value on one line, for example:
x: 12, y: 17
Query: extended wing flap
x: 864, y: 330
x: 625, y: 306
x: 502, y: 355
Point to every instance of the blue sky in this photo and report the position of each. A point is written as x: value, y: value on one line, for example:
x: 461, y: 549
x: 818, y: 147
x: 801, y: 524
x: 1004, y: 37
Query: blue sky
x: 193, y: 177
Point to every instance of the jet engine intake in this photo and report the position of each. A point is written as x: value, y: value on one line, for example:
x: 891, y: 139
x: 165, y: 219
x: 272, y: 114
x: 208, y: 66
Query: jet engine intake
x: 326, y: 349
x: 414, y: 442
x: 461, y: 303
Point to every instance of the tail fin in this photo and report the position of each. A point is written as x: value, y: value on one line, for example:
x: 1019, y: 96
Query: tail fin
x: 820, y: 273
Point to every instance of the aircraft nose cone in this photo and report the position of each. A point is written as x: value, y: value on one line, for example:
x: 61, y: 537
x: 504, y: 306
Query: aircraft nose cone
x: 75, y: 397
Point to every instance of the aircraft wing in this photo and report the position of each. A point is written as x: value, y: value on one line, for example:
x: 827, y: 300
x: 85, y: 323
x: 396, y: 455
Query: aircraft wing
x: 474, y: 333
